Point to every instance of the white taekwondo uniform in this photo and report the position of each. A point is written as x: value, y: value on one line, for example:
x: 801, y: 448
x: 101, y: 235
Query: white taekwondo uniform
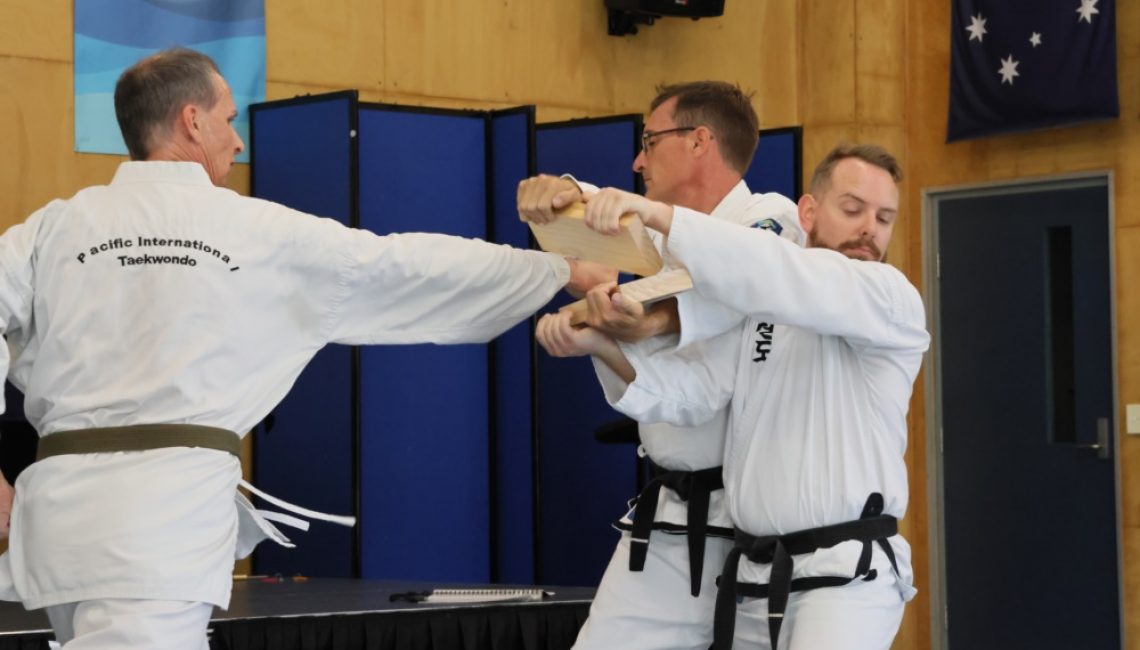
x: 818, y: 381
x: 654, y: 609
x: 161, y: 298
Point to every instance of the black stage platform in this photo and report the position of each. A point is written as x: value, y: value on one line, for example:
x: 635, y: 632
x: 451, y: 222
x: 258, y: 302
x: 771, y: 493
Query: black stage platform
x: 320, y: 614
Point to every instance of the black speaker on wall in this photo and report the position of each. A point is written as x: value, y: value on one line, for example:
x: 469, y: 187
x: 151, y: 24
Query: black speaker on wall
x: 625, y: 15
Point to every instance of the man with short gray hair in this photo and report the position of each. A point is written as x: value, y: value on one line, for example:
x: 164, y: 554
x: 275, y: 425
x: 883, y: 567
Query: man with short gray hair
x: 153, y: 320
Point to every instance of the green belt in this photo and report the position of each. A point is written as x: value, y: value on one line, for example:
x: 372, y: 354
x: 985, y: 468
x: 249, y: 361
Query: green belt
x: 139, y: 437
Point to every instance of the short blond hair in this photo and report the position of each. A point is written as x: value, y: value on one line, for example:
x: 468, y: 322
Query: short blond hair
x: 871, y: 154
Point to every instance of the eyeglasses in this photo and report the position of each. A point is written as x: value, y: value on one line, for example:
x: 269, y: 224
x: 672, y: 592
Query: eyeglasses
x: 646, y: 136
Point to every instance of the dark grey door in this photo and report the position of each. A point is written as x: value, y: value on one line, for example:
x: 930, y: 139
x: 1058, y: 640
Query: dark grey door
x: 1027, y: 416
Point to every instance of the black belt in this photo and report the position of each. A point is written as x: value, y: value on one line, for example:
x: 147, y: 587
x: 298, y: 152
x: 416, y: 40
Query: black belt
x: 139, y: 437
x: 777, y: 550
x: 693, y: 487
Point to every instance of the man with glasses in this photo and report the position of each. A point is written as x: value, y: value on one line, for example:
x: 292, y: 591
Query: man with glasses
x: 698, y: 142
x: 818, y: 379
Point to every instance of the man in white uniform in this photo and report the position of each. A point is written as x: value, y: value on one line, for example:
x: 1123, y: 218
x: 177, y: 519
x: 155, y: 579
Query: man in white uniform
x: 659, y: 589
x: 150, y: 319
x: 818, y: 382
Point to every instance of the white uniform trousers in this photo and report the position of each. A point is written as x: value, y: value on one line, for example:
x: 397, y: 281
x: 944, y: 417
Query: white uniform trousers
x: 131, y: 624
x: 654, y: 609
x: 857, y: 616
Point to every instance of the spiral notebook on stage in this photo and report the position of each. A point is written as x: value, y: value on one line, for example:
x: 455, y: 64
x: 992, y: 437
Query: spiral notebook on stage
x: 459, y: 596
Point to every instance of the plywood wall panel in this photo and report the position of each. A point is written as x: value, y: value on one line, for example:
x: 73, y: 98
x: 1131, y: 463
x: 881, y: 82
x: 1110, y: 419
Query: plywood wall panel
x: 879, y: 58
x: 753, y: 44
x: 336, y: 43
x: 1128, y: 362
x: 827, y: 62
x: 510, y: 52
x: 36, y: 29
x: 14, y: 176
x: 1131, y: 587
x: 559, y: 54
x: 1127, y: 181
x: 36, y: 127
x: 467, y: 49
x: 238, y: 180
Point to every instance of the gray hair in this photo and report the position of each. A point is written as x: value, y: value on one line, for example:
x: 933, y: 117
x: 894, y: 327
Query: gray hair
x: 150, y: 93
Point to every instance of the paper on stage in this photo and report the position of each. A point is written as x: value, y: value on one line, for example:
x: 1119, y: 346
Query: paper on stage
x: 488, y: 595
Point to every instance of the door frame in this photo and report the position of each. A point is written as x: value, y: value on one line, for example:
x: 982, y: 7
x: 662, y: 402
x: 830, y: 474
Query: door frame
x: 931, y: 198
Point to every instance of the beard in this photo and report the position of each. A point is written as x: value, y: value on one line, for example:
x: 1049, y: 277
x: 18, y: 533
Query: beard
x: 849, y: 245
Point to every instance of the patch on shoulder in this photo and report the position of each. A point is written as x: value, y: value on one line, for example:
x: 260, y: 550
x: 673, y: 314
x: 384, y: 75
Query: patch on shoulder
x: 769, y: 224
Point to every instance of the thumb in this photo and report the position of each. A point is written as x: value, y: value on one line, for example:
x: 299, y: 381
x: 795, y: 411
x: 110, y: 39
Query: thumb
x: 564, y: 198
x: 627, y: 306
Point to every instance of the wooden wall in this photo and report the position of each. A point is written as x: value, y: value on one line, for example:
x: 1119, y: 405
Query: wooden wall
x: 862, y: 70
x: 1111, y: 145
x: 508, y: 52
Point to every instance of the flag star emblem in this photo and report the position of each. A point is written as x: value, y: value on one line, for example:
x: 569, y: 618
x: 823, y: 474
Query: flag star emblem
x: 1035, y: 39
x: 1008, y: 70
x: 977, y: 27
x: 1087, y: 9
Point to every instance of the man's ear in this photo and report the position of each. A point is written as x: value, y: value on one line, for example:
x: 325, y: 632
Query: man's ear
x: 807, y: 208
x: 702, y: 141
x: 189, y: 122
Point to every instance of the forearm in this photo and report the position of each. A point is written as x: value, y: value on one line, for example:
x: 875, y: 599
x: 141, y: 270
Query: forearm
x: 7, y: 495
x: 659, y: 217
x: 662, y: 318
x: 427, y: 288
x: 611, y: 355
x: 821, y: 290
x: 585, y: 275
x: 659, y: 319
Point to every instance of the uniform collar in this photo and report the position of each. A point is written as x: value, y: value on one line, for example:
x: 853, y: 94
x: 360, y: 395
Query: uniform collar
x: 732, y: 202
x: 138, y: 171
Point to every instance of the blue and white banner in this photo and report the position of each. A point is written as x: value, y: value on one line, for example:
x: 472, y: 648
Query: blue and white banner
x: 110, y: 35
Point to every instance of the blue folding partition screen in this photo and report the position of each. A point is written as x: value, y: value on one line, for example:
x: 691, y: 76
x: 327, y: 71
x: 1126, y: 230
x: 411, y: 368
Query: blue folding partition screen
x: 437, y: 461
x: 777, y: 163
x: 463, y: 463
x: 303, y: 154
x: 582, y: 485
x: 424, y: 409
x: 512, y: 143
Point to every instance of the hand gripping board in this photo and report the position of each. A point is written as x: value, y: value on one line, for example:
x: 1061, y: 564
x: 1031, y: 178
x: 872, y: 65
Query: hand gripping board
x: 631, y: 250
x: 646, y: 290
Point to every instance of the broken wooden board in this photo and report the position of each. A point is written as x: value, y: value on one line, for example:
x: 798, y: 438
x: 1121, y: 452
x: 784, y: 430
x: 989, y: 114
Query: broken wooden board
x: 646, y: 290
x: 631, y: 250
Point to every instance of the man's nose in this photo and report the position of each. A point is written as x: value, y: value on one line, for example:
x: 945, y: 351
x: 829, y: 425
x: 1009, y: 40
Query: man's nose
x: 870, y: 224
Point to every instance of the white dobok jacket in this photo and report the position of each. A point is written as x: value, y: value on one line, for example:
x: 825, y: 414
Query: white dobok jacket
x: 701, y: 446
x: 817, y: 381
x: 161, y: 298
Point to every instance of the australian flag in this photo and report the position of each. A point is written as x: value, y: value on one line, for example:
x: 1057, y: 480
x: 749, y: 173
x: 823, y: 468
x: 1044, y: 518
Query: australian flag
x: 1017, y: 65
